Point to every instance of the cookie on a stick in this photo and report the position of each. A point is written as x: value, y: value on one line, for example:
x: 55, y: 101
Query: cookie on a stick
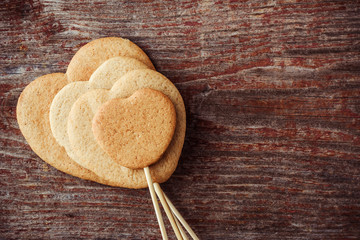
x: 92, y: 156
x: 136, y: 131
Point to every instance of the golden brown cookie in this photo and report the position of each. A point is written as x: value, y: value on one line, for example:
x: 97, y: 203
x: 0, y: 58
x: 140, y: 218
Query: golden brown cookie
x: 104, y: 77
x: 34, y: 102
x: 112, y: 70
x: 32, y: 113
x: 135, y: 131
x: 93, y: 157
x: 93, y: 54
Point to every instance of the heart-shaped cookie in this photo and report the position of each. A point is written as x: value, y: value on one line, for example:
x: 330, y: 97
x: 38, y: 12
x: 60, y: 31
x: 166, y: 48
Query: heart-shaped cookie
x: 34, y: 102
x: 135, y: 131
x: 32, y: 113
x: 90, y: 56
x: 104, y: 77
x: 93, y: 157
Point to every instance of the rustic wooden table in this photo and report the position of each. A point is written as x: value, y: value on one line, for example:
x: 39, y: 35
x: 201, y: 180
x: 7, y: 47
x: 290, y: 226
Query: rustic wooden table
x: 272, y: 92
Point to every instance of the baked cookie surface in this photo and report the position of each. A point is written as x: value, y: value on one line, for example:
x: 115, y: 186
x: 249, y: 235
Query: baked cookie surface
x: 93, y: 157
x: 90, y: 56
x: 104, y: 77
x: 135, y: 131
x: 32, y: 113
x: 34, y: 102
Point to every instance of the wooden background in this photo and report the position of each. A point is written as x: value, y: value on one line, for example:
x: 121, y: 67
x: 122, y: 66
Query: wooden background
x: 272, y: 92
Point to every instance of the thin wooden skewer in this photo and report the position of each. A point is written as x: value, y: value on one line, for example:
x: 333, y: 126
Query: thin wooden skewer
x: 181, y: 219
x: 158, y: 190
x: 155, y: 203
x: 167, y: 211
x: 183, y: 234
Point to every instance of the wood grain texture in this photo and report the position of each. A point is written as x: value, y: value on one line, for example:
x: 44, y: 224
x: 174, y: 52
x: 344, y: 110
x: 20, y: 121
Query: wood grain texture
x: 272, y: 92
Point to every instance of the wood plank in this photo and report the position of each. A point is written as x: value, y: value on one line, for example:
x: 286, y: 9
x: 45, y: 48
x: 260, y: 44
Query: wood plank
x: 272, y: 91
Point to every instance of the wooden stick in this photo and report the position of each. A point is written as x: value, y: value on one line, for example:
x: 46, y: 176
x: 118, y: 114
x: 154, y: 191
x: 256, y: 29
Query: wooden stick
x: 167, y: 211
x: 155, y: 203
x: 183, y: 233
x: 181, y: 219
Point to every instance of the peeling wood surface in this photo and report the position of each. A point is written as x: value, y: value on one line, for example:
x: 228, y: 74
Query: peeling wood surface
x: 272, y: 92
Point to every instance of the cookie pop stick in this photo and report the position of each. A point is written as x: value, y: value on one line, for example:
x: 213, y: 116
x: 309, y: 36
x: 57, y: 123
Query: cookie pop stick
x: 163, y: 201
x: 146, y: 119
x: 183, y: 234
x: 167, y: 211
x: 177, y: 214
x: 155, y: 203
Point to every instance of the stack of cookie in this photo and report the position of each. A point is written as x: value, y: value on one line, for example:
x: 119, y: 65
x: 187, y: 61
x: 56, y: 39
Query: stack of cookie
x: 109, y: 117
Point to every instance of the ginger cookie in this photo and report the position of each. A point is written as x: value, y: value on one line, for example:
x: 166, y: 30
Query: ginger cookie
x: 34, y: 103
x: 92, y: 156
x: 135, y: 131
x: 90, y: 56
x: 32, y: 115
x: 104, y: 77
x: 112, y: 70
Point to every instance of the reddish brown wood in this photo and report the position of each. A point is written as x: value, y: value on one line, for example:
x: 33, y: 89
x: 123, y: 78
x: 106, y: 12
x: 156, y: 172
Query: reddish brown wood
x: 272, y: 91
